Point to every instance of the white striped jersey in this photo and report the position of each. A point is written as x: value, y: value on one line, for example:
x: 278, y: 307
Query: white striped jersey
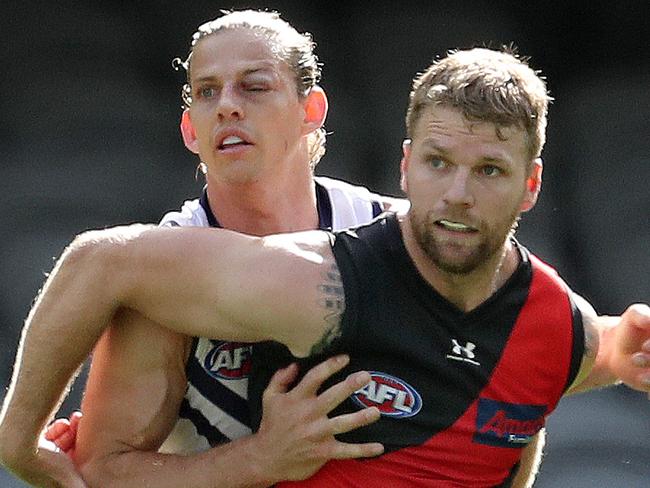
x: 215, y: 408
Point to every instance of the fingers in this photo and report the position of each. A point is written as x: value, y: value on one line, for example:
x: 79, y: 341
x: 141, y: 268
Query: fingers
x: 343, y: 450
x: 66, y: 441
x: 639, y: 314
x: 282, y: 379
x: 315, y: 377
x: 334, y: 395
x: 74, y: 422
x: 347, y: 422
x: 63, y: 432
x: 56, y: 429
x: 633, y: 331
x: 75, y: 418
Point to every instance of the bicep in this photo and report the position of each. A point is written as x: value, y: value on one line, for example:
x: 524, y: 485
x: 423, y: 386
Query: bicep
x: 224, y: 285
x: 135, y: 387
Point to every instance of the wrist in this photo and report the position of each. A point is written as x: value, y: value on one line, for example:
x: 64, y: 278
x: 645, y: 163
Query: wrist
x: 261, y: 461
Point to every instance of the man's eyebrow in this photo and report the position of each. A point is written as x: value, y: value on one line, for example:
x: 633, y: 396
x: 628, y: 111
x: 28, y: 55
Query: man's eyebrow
x: 431, y: 145
x: 434, y: 146
x: 260, y: 69
x: 494, y: 159
x: 263, y: 68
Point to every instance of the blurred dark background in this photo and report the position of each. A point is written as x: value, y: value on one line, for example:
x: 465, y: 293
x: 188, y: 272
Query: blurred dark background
x: 90, y: 105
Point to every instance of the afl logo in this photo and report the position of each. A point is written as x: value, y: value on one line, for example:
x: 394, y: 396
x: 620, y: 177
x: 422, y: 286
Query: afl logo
x: 393, y: 396
x: 229, y: 361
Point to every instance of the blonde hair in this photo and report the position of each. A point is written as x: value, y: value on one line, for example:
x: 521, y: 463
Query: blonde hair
x: 488, y: 86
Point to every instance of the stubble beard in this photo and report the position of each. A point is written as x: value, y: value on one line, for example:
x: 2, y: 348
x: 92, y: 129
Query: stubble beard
x: 488, y: 248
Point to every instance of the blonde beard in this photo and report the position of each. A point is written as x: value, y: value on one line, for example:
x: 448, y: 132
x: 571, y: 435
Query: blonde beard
x: 487, y: 249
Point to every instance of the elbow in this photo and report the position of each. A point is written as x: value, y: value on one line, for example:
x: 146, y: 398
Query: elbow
x: 102, y: 257
x: 105, y: 245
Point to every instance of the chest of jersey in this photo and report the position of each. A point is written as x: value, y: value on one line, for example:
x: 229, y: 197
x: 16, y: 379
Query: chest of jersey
x: 460, y: 393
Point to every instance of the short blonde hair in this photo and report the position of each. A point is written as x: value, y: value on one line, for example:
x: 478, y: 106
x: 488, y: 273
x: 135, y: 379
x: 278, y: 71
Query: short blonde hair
x: 488, y: 86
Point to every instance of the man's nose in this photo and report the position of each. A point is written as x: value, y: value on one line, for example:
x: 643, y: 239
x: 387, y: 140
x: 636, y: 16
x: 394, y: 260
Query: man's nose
x: 459, y: 191
x: 229, y: 106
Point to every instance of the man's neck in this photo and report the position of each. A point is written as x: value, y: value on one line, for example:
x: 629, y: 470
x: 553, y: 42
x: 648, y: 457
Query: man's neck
x: 261, y: 209
x: 466, y: 291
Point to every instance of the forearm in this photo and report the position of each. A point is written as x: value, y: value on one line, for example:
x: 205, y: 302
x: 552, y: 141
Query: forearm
x: 238, y: 464
x: 50, y: 352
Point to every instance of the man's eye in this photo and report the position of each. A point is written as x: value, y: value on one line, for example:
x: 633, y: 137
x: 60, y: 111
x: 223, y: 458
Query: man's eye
x: 206, y: 92
x: 490, y: 170
x: 436, y: 163
x: 256, y: 88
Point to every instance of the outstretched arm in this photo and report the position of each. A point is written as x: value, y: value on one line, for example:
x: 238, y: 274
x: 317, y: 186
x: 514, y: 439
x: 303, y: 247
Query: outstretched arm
x: 225, y: 285
x: 617, y: 349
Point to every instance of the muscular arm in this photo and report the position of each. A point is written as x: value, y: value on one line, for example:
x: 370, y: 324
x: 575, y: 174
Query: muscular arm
x: 225, y: 286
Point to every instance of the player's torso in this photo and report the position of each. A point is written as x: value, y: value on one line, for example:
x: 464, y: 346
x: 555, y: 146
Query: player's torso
x: 215, y: 408
x: 460, y: 393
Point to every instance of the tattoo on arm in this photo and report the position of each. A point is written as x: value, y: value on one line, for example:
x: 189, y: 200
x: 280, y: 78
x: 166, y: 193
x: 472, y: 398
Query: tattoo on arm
x: 333, y: 303
x: 592, y: 339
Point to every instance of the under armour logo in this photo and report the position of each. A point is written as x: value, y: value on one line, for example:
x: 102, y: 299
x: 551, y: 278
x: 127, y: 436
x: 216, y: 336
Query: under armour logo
x: 463, y: 353
x: 467, y: 350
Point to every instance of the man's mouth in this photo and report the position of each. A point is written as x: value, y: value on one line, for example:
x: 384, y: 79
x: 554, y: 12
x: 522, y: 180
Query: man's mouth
x: 232, y: 141
x: 455, y: 226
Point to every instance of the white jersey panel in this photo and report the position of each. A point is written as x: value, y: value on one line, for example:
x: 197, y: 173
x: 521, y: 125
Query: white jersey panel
x: 191, y: 214
x: 215, y: 408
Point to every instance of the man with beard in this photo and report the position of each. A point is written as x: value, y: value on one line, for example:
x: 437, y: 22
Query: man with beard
x: 471, y: 340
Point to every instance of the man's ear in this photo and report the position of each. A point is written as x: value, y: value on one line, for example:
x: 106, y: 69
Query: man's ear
x: 315, y: 109
x: 533, y: 185
x: 404, y: 164
x: 188, y: 132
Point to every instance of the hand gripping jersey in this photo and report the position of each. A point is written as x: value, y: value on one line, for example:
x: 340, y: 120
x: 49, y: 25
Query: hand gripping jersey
x: 460, y: 393
x: 215, y: 408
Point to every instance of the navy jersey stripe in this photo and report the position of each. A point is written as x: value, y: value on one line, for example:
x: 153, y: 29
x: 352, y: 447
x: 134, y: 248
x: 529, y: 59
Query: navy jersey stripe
x: 324, y: 207
x: 203, y: 201
x: 376, y: 208
x: 203, y: 427
x: 217, y: 393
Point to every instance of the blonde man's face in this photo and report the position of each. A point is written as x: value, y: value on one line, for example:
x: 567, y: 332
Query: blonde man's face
x: 245, y: 112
